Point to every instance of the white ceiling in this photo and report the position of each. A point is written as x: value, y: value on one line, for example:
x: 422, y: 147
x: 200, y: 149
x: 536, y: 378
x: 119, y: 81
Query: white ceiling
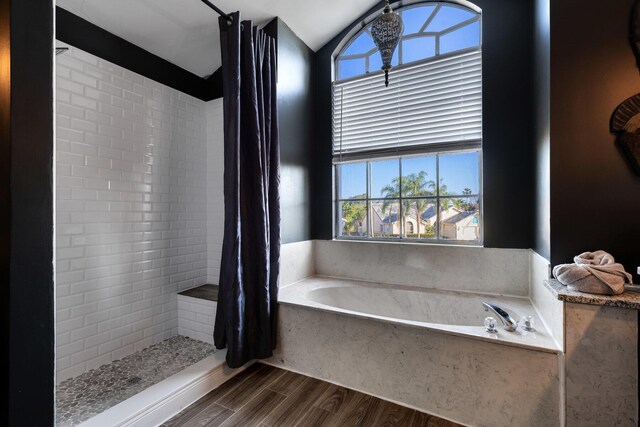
x: 185, y: 32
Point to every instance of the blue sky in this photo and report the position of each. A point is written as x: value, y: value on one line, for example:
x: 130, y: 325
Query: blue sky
x: 458, y: 171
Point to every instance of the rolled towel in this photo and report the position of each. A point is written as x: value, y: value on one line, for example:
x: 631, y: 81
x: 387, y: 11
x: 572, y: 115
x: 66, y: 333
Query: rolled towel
x: 593, y: 273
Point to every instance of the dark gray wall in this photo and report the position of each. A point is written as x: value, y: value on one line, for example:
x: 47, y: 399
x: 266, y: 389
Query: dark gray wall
x: 29, y: 210
x: 295, y: 118
x: 507, y: 126
x: 542, y: 80
x: 5, y: 179
x: 595, y: 197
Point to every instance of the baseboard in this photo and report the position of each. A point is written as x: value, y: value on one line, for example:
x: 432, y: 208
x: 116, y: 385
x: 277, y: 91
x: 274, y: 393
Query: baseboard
x: 162, y: 401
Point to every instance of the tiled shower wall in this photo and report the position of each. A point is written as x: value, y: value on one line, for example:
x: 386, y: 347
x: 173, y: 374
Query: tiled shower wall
x: 131, y: 225
x: 215, y: 188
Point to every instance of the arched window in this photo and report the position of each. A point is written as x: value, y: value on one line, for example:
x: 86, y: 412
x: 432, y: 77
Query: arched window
x: 430, y: 30
x: 414, y: 147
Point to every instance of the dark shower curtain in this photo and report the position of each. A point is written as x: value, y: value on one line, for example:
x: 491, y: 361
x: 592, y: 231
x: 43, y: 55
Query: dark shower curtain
x: 247, y: 300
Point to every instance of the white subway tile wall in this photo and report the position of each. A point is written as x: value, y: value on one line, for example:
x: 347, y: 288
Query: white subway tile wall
x: 196, y: 318
x: 131, y: 219
x: 215, y: 188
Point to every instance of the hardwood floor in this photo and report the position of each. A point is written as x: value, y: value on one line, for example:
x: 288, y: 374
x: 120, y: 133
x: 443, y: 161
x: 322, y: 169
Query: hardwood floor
x: 264, y: 396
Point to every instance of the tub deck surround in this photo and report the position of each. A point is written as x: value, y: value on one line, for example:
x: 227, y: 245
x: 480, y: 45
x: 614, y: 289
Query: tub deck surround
x: 297, y: 261
x: 581, y: 370
x: 550, y: 310
x: 629, y: 300
x: 470, y: 381
x: 462, y: 268
x: 448, y: 312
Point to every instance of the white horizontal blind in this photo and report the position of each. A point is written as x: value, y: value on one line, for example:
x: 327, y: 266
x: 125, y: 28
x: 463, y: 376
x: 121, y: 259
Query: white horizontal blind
x: 437, y: 102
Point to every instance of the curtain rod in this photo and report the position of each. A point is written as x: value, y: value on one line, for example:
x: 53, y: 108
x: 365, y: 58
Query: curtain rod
x: 218, y: 10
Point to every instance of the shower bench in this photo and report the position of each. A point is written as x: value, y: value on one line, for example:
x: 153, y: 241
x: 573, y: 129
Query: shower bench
x: 197, y: 312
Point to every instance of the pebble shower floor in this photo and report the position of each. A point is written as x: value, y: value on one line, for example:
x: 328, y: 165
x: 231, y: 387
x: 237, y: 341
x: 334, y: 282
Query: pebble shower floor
x: 88, y: 394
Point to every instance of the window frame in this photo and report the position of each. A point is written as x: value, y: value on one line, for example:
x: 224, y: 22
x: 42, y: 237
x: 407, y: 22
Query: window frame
x: 400, y: 239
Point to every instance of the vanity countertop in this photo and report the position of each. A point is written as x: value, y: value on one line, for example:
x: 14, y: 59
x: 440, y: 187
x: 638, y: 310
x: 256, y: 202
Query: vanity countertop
x: 626, y: 300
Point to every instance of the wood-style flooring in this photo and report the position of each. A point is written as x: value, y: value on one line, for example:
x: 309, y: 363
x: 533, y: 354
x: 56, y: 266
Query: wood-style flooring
x: 265, y: 396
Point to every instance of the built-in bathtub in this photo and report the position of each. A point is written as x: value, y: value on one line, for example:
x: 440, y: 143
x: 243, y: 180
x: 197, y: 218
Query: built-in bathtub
x: 404, y: 322
x: 422, y: 348
x: 450, y: 312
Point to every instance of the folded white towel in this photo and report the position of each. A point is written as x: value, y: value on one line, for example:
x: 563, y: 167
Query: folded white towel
x: 593, y: 273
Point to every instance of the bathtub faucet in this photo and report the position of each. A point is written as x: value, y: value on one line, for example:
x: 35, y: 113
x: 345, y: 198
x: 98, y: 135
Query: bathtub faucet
x: 508, y: 322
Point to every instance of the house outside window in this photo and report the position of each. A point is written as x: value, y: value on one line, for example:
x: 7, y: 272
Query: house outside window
x: 409, y: 225
x: 408, y: 157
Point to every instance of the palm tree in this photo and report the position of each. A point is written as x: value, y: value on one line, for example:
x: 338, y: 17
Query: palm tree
x: 458, y: 204
x: 462, y: 204
x: 390, y: 192
x: 417, y: 186
x: 443, y: 188
x: 413, y: 185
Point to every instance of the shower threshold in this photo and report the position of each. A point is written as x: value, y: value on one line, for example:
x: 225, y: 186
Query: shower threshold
x: 144, y: 388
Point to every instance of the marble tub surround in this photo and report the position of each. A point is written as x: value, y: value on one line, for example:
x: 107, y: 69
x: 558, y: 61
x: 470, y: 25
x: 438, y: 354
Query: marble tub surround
x: 601, y: 365
x: 629, y: 300
x: 550, y: 309
x: 93, y: 392
x: 448, y: 312
x: 297, y: 261
x: 462, y: 268
x: 469, y: 381
x: 580, y: 369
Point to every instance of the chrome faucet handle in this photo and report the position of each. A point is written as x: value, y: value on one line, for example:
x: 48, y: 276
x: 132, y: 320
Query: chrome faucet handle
x: 507, y: 321
x: 490, y: 325
x: 528, y: 323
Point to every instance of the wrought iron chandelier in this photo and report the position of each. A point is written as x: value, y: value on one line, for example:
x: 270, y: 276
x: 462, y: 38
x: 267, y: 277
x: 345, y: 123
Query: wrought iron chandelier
x: 386, y: 31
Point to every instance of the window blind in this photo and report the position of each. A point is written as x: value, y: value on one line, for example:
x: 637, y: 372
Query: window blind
x: 434, y: 103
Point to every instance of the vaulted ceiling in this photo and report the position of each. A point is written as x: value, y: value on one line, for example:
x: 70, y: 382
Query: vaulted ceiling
x: 185, y: 32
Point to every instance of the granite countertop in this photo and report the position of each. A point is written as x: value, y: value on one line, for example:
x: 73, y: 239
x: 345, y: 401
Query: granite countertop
x: 626, y: 300
x: 208, y: 292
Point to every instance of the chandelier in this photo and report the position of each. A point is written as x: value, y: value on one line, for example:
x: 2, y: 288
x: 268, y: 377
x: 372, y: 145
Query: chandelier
x: 386, y: 31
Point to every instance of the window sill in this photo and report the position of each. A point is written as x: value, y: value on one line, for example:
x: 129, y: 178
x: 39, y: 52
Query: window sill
x: 415, y: 242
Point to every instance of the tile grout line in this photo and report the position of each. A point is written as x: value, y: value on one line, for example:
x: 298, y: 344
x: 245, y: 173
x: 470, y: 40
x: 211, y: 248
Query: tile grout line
x: 209, y: 406
x: 295, y: 389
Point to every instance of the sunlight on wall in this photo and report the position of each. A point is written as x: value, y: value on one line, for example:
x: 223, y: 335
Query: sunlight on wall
x: 5, y: 62
x: 292, y: 73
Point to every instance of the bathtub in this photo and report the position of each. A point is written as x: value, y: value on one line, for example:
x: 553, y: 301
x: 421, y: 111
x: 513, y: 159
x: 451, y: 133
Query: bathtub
x: 422, y: 348
x: 450, y: 312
